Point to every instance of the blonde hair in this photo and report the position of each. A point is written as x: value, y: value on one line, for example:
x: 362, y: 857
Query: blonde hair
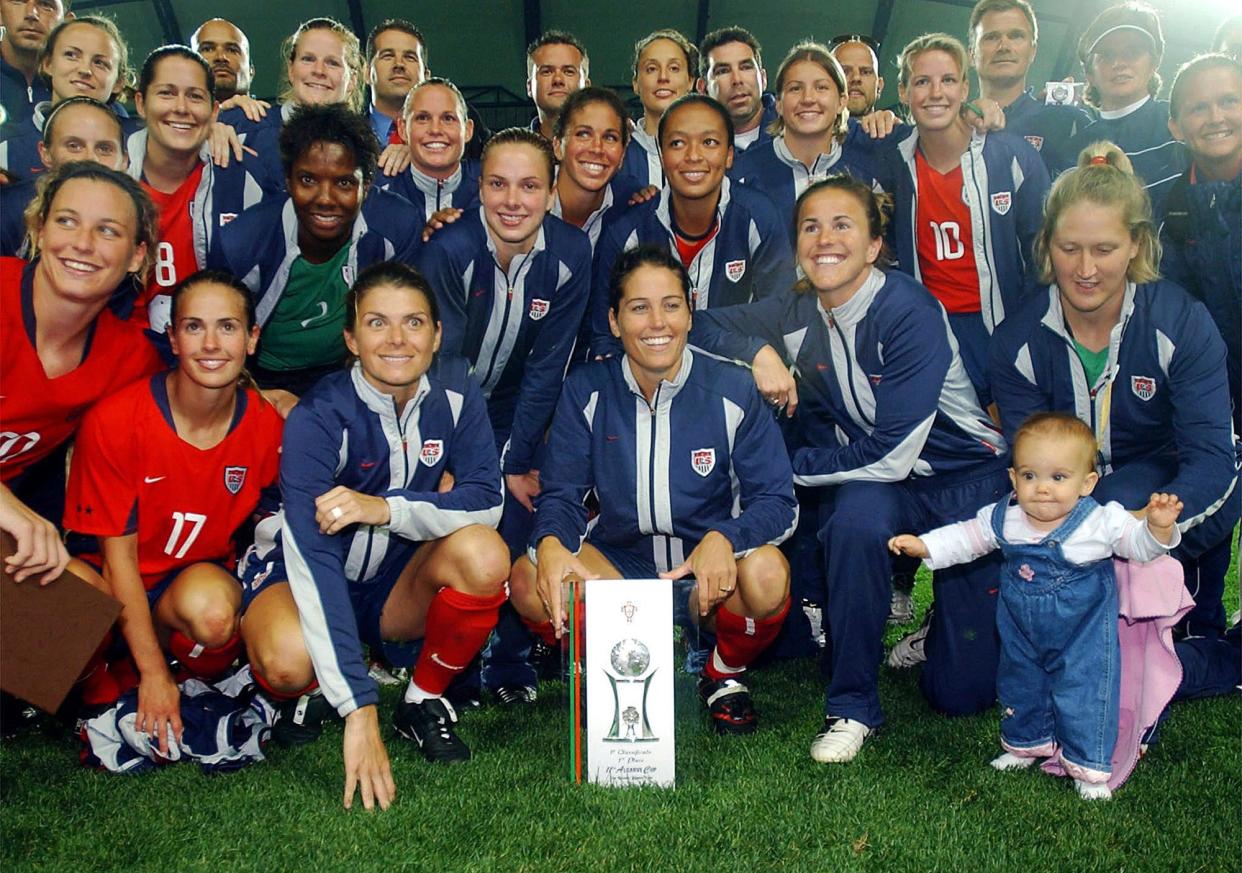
x: 352, y: 51
x: 1105, y: 177
x: 815, y: 53
x: 1060, y: 426
x: 930, y: 42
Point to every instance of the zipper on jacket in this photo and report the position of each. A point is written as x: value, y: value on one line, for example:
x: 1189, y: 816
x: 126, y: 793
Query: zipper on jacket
x: 849, y: 367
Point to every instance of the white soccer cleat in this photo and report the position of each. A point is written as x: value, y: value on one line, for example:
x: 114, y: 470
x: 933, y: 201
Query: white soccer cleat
x: 839, y: 740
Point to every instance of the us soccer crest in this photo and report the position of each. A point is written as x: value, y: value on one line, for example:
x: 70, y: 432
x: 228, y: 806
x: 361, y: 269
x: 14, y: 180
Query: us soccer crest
x: 1144, y: 387
x: 1036, y: 141
x: 703, y: 461
x: 735, y: 270
x: 431, y: 451
x: 234, y: 478
x: 1001, y: 201
x: 538, y: 309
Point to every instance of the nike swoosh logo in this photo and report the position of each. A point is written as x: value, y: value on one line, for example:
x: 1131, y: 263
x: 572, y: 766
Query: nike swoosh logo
x: 150, y: 479
x: 367, y: 465
x: 435, y: 656
x: 323, y: 310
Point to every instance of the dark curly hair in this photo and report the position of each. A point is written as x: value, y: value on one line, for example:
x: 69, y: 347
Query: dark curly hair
x: 644, y: 256
x: 334, y: 123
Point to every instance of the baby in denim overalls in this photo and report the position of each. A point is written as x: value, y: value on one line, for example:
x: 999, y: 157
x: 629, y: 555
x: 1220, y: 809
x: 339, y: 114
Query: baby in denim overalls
x: 1059, y: 671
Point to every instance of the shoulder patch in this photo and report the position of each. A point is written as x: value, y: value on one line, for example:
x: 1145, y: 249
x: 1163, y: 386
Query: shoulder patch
x: 1001, y: 201
x: 735, y: 270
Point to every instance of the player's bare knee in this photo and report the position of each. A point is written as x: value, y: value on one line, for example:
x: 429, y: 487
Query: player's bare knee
x: 282, y: 662
x: 763, y: 581
x: 213, y: 626
x: 481, y: 559
x: 523, y: 593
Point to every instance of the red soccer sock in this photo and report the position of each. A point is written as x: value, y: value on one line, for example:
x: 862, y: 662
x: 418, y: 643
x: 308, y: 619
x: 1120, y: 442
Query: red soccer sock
x: 201, y: 661
x: 739, y: 640
x: 544, y: 630
x: 96, y: 683
x: 457, y: 627
x: 282, y: 695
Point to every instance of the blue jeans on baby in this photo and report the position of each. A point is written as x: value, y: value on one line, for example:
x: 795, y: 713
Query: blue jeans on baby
x: 1059, y: 675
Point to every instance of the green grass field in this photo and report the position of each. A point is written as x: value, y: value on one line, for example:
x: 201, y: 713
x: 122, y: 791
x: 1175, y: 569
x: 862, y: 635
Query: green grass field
x: 919, y: 797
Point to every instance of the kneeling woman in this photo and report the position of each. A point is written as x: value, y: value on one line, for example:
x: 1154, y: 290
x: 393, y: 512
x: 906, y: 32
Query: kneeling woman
x: 891, y: 433
x: 692, y: 479
x: 164, y: 473
x: 367, y: 546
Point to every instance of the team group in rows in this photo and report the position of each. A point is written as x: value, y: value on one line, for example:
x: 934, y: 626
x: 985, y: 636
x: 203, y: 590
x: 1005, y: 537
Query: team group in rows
x: 431, y: 373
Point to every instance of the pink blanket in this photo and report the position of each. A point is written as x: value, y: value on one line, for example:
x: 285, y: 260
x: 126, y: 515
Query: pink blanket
x: 1151, y: 599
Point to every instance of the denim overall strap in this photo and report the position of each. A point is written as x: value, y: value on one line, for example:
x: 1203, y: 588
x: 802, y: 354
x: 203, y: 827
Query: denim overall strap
x: 998, y: 518
x: 1083, y: 508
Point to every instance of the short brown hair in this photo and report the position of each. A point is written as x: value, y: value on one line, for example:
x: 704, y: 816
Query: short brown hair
x: 983, y: 7
x: 816, y: 53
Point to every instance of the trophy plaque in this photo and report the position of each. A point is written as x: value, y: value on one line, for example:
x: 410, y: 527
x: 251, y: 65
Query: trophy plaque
x: 629, y: 669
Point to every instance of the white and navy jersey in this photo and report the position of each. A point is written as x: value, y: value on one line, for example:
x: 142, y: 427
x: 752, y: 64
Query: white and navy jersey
x: 19, y: 151
x: 882, y: 393
x: 346, y: 432
x: 1049, y: 129
x: 705, y: 454
x: 517, y: 327
x: 759, y: 135
x: 263, y: 136
x: 1004, y: 183
x: 1163, y: 392
x: 14, y: 198
x: 1201, y: 241
x: 617, y: 196
x: 772, y: 169
x: 429, y: 195
x: 223, y: 193
x: 642, y: 157
x: 261, y: 244
x: 19, y: 97
x: 1142, y: 132
x: 747, y: 259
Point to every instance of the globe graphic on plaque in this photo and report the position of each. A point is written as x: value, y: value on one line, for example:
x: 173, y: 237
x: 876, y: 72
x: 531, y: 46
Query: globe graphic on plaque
x: 630, y: 658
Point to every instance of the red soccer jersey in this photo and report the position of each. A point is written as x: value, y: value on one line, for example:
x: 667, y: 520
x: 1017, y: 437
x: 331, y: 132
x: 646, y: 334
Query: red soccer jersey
x: 37, y: 414
x: 945, y: 242
x: 174, y: 255
x: 131, y: 473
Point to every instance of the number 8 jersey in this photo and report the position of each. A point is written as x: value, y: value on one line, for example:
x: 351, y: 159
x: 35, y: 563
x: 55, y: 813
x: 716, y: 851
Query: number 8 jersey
x: 132, y: 473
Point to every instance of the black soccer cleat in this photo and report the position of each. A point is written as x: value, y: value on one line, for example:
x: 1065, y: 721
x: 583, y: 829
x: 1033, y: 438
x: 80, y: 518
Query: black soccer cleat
x: 300, y: 721
x: 516, y: 695
x: 430, y: 725
x: 729, y: 704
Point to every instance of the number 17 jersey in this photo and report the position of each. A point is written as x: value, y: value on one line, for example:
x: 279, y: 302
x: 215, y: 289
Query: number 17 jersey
x: 132, y: 474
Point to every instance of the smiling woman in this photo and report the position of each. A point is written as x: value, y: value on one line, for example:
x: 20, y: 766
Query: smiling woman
x: 90, y: 226
x: 299, y: 254
x: 164, y: 472
x: 194, y: 197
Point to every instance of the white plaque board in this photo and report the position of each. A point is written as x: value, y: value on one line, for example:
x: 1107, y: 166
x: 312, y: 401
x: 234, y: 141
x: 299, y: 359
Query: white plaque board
x: 629, y: 682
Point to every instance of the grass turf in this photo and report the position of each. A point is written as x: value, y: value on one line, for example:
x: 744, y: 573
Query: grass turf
x: 919, y: 797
